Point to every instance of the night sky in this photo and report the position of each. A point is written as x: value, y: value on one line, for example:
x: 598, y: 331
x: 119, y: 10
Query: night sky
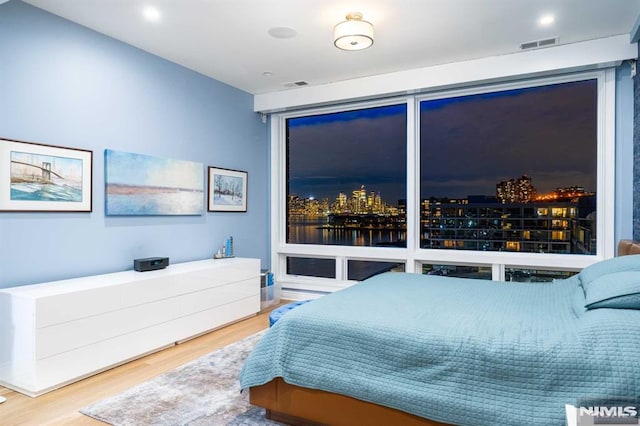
x: 334, y: 153
x: 468, y: 144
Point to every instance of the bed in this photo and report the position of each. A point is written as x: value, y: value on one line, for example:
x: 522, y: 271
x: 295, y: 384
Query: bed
x: 409, y: 349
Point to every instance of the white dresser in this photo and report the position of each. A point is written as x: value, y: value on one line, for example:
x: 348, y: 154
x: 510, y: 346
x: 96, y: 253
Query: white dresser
x: 55, y: 333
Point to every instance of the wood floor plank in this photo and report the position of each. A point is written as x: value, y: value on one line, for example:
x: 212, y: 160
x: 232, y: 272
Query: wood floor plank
x: 60, y: 407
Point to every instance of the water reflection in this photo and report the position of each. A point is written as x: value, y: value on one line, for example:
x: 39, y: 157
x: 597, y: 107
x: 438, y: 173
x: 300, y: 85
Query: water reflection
x: 303, y: 230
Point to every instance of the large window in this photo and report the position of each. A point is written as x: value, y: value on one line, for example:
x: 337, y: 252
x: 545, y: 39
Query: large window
x: 479, y: 178
x: 346, y: 178
x: 514, y: 170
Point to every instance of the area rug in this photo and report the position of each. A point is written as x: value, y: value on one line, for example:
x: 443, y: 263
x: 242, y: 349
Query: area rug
x: 203, y: 392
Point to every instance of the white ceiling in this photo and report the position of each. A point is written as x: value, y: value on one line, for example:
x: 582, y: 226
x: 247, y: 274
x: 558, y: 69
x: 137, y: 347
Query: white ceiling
x: 228, y: 39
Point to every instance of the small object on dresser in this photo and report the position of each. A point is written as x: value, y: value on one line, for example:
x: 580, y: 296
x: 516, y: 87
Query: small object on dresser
x: 150, y: 263
x: 228, y: 247
x: 226, y: 251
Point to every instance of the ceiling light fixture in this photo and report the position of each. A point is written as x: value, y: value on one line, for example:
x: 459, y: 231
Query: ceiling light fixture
x: 354, y: 33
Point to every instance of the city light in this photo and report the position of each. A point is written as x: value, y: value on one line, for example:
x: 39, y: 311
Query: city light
x: 516, y: 218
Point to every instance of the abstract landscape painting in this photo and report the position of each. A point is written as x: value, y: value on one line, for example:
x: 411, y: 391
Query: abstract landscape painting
x: 143, y: 185
x: 227, y: 190
x: 44, y: 178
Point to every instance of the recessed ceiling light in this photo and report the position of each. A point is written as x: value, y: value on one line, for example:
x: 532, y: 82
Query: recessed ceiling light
x: 151, y: 13
x: 267, y: 73
x: 282, y: 32
x: 546, y: 20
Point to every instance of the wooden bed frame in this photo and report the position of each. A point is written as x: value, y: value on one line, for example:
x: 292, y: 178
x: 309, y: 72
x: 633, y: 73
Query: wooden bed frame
x: 295, y: 405
x: 626, y: 247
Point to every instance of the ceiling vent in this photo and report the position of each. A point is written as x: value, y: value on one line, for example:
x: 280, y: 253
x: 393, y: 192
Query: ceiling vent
x: 295, y: 84
x: 539, y: 43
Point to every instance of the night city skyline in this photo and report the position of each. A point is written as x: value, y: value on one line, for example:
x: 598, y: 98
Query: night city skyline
x: 371, y: 201
x: 468, y: 144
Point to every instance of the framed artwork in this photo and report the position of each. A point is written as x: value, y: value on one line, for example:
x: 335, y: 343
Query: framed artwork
x: 227, y: 190
x: 44, y: 178
x: 143, y: 185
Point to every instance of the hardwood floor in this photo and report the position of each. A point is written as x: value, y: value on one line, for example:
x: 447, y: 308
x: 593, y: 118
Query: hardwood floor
x: 60, y: 407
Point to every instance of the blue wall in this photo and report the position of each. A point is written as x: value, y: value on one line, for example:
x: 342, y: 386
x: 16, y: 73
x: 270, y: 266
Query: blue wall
x: 636, y: 157
x: 624, y: 153
x: 63, y: 84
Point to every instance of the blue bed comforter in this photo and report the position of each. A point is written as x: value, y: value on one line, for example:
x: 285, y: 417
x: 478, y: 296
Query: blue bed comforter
x: 460, y: 351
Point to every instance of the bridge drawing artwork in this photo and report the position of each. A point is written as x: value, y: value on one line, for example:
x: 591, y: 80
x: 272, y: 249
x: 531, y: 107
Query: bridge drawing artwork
x: 37, y: 177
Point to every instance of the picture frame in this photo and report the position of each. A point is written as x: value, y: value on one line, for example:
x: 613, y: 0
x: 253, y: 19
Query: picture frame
x: 36, y: 177
x: 146, y: 185
x: 226, y: 190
